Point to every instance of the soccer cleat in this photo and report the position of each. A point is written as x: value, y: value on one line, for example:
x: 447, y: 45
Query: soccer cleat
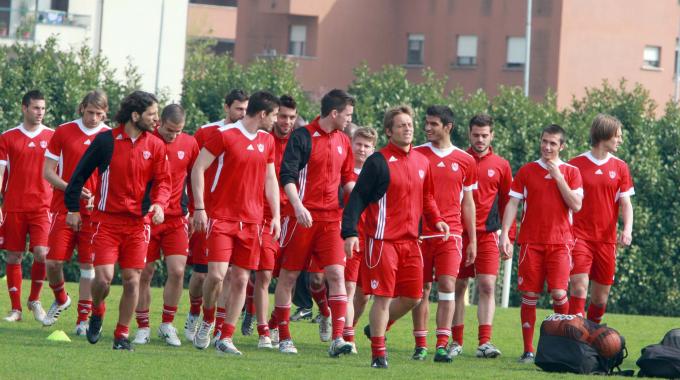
x: 455, y: 349
x: 274, y: 335
x: 301, y: 314
x: 488, y: 350
x: 317, y: 319
x: 526, y: 358
x: 420, y: 353
x: 247, y: 324
x: 191, y: 325
x: 37, y: 309
x: 226, y: 346
x: 54, y: 312
x: 143, y: 335
x: 81, y: 328
x: 287, y: 347
x: 122, y: 344
x: 442, y: 356
x: 339, y: 347
x: 13, y: 316
x: 216, y: 337
x: 168, y: 332
x: 325, y: 328
x: 354, y: 348
x: 265, y: 342
x: 94, y: 332
x: 379, y: 362
x: 202, y: 337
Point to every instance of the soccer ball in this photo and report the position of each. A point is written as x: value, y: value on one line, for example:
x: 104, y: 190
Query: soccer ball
x: 575, y: 329
x: 607, y: 342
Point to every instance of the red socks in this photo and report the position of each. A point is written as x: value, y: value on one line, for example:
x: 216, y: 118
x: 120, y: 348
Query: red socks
x: 378, y: 346
x: 14, y: 285
x: 596, y: 312
x: 577, y: 306
x: 273, y: 322
x: 263, y: 329
x: 142, y: 317
x: 59, y: 293
x: 457, y: 334
x: 169, y: 313
x: 208, y: 315
x: 484, y: 334
x: 319, y: 296
x: 338, y: 306
x: 195, y: 305
x: 528, y: 318
x: 100, y: 310
x: 250, y: 304
x: 443, y: 334
x: 348, y: 334
x: 84, y: 309
x: 561, y: 305
x: 121, y: 331
x: 38, y: 274
x: 420, y: 337
x: 220, y: 315
x: 227, y: 330
x: 282, y: 314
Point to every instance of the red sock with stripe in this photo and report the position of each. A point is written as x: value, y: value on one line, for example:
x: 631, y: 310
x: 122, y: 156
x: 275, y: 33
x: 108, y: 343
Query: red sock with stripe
x: 338, y: 306
x: 378, y: 346
x: 99, y: 310
x: 561, y: 305
x: 59, y: 293
x: 121, y: 331
x: 528, y: 318
x: 596, y: 312
x: 263, y: 329
x: 227, y: 330
x: 320, y: 297
x: 195, y: 305
x: 443, y: 334
x: 220, y: 314
x: 457, y: 334
x: 348, y: 334
x: 142, y: 317
x: 577, y: 306
x: 420, y: 337
x: 38, y: 274
x: 273, y: 322
x: 283, y: 319
x: 14, y: 285
x: 484, y: 334
x: 84, y: 309
x: 208, y: 315
x: 168, y: 313
x: 250, y: 303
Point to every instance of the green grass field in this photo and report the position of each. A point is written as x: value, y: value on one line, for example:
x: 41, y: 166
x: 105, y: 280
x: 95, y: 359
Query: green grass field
x: 26, y: 354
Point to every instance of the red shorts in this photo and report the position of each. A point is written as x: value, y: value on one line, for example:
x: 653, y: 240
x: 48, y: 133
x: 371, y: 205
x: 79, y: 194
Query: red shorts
x: 597, y: 259
x: 269, y: 250
x: 392, y: 268
x: 171, y: 236
x: 17, y: 224
x: 441, y: 258
x: 353, y: 267
x: 541, y: 262
x: 314, y: 267
x: 488, y: 256
x: 125, y: 244
x: 320, y: 242
x: 236, y: 243
x: 198, y: 256
x: 63, y: 240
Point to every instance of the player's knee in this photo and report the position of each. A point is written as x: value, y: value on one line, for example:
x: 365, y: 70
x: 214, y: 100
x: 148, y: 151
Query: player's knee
x: 39, y: 253
x: 557, y: 294
x: 486, y: 289
x: 14, y: 257
x: 175, y: 272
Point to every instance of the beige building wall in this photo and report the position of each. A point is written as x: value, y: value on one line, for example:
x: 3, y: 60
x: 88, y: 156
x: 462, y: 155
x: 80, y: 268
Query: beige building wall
x: 212, y: 21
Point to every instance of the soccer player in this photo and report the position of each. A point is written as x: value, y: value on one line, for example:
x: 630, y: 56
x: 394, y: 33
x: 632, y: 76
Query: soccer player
x: 363, y: 145
x: 396, y: 186
x: 172, y: 235
x: 317, y: 161
x: 454, y: 174
x: 63, y: 152
x: 236, y: 210
x: 133, y: 181
x: 235, y: 104
x: 607, y: 186
x: 27, y: 198
x: 551, y: 190
x: 494, y: 178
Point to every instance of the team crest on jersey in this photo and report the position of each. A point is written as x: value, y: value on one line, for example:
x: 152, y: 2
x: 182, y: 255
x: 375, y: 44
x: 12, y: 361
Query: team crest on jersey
x: 490, y: 172
x: 374, y: 284
x: 454, y: 166
x: 339, y: 150
x: 43, y: 144
x: 612, y: 174
x: 180, y: 154
x: 421, y: 173
x: 146, y: 154
x: 260, y: 147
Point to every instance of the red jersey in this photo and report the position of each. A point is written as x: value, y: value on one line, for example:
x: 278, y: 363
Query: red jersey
x: 237, y: 193
x: 67, y: 146
x: 454, y: 171
x: 182, y: 153
x: 604, y: 183
x: 23, y: 155
x: 202, y: 134
x: 494, y: 178
x: 546, y: 218
x: 279, y: 148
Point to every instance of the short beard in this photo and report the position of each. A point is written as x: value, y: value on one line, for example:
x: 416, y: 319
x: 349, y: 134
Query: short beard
x: 142, y: 127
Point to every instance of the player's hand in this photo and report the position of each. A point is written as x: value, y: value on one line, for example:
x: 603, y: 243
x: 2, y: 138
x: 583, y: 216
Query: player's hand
x: 275, y: 228
x: 471, y: 254
x: 553, y: 169
x: 304, y: 218
x: 158, y: 215
x: 74, y: 221
x: 625, y: 238
x: 85, y: 193
x: 351, y: 246
x: 506, y: 246
x: 200, y: 220
x: 443, y: 227
x: 190, y: 224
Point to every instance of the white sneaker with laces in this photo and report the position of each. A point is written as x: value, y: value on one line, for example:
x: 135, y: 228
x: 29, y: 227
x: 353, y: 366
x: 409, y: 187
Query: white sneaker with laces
x: 81, y: 328
x: 54, y: 311
x: 455, y: 349
x: 37, y: 309
x: 287, y: 347
x: 274, y: 335
x: 203, y: 335
x: 354, y: 348
x: 488, y: 350
x: 191, y: 325
x: 325, y: 328
x: 265, y: 342
x: 168, y: 332
x: 226, y: 346
x: 339, y: 347
x: 143, y: 335
x: 13, y: 316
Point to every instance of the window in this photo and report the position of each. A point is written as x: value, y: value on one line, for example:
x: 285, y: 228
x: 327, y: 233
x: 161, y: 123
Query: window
x: 223, y: 3
x: 59, y: 5
x: 652, y: 56
x: 516, y: 52
x: 467, y: 51
x: 416, y: 44
x: 298, y: 38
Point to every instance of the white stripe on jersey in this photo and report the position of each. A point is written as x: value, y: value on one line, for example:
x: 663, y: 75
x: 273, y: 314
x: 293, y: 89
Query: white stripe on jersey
x: 382, y: 211
x: 104, y: 190
x: 220, y: 165
x: 302, y: 180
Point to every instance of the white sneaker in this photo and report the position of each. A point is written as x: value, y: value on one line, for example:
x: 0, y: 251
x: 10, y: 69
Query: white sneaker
x: 325, y: 329
x: 202, y: 337
x: 339, y: 347
x: 265, y: 342
x: 54, y: 312
x: 354, y: 348
x: 168, y: 332
x: 191, y: 325
x: 287, y: 347
x: 455, y: 349
x: 143, y: 335
x: 81, y: 328
x: 226, y: 346
x: 216, y: 337
x: 274, y: 335
x: 13, y: 316
x: 37, y: 309
x: 488, y: 350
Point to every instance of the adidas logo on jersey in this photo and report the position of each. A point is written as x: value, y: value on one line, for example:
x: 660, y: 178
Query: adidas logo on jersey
x: 526, y: 325
x: 340, y: 150
x: 548, y: 176
x: 316, y: 134
x: 31, y: 144
x: 119, y: 137
x: 441, y: 165
x: 87, y: 142
x: 392, y: 159
x: 598, y: 172
x: 250, y: 147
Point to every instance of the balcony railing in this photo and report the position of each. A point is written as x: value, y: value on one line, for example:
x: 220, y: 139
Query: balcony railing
x: 20, y: 24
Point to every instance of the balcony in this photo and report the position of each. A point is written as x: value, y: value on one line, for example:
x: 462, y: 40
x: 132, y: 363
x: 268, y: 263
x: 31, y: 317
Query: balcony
x: 25, y: 25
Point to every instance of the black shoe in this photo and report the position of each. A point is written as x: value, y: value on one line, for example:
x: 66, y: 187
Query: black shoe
x: 527, y: 358
x: 420, y: 353
x: 122, y: 344
x: 247, y: 324
x: 301, y: 314
x: 94, y: 332
x: 379, y: 362
x: 442, y: 356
